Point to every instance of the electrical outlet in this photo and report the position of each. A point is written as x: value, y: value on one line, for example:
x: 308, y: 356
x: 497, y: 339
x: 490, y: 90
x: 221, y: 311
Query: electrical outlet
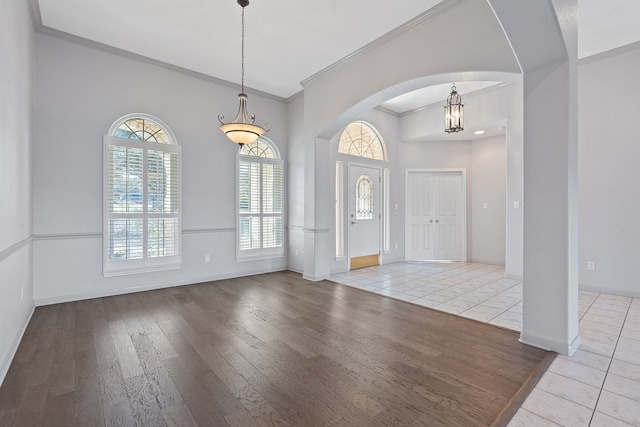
x: 207, y: 259
x: 296, y: 252
x: 485, y: 205
x: 516, y: 205
x: 396, y: 245
x: 591, y: 265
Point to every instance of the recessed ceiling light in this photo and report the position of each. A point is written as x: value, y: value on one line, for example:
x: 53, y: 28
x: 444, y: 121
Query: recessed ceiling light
x: 479, y: 132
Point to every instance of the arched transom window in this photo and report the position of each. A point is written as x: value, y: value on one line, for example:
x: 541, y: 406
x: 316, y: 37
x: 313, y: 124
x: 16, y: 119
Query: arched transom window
x: 259, y: 149
x: 143, y: 129
x: 361, y: 139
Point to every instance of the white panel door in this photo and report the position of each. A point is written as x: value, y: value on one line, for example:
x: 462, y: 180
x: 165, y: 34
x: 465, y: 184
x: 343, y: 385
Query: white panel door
x: 364, y: 211
x: 435, y: 218
x: 420, y: 223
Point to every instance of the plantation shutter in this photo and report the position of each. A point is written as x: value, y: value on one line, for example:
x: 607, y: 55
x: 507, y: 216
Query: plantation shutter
x: 272, y: 205
x: 142, y: 206
x: 249, y: 207
x: 260, y: 207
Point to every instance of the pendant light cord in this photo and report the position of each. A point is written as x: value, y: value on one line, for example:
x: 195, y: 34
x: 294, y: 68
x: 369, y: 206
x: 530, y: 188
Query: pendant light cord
x: 242, y: 49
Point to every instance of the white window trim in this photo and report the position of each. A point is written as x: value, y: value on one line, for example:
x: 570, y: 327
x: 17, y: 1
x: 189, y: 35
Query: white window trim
x: 339, y: 213
x: 386, y: 226
x: 145, y: 264
x: 258, y: 253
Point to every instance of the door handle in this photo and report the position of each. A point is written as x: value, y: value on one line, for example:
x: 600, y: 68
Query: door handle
x: 437, y: 221
x: 431, y: 221
x: 353, y: 222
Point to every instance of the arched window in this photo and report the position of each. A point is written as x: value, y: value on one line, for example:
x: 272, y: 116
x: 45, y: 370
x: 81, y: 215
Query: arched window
x: 364, y: 198
x: 362, y: 140
x: 260, y: 201
x: 142, y: 196
x: 143, y: 129
x: 259, y: 149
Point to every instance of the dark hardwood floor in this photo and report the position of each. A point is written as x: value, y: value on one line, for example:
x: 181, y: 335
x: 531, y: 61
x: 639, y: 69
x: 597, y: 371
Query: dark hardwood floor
x: 272, y: 349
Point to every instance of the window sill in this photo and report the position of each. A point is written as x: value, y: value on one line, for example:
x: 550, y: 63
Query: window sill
x: 257, y: 256
x: 126, y: 272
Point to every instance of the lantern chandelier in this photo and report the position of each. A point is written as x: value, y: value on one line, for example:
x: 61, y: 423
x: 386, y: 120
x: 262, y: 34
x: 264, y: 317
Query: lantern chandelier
x: 241, y: 129
x: 454, y: 112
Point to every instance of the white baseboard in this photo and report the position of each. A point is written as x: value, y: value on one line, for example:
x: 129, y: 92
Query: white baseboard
x: 316, y: 278
x: 604, y: 290
x: 122, y: 291
x: 6, y: 363
x: 551, y: 345
x: 295, y: 270
x: 385, y: 261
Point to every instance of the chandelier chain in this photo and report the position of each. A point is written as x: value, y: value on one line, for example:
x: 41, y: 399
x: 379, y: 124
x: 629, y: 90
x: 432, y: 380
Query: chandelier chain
x: 242, y: 129
x: 242, y: 78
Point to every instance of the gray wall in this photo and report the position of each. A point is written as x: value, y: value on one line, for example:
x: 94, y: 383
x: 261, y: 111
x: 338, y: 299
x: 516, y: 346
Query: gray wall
x: 442, y: 155
x: 80, y: 91
x: 16, y: 70
x: 488, y: 188
x: 485, y: 163
x: 609, y: 154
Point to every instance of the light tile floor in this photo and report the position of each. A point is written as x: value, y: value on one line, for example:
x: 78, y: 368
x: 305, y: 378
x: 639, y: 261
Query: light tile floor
x: 599, y: 386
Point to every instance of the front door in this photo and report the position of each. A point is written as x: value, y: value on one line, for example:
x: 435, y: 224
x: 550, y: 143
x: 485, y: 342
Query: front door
x: 364, y: 216
x: 435, y: 216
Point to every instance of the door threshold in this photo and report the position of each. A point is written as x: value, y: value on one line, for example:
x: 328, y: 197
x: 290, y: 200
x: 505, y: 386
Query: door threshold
x: 364, y: 261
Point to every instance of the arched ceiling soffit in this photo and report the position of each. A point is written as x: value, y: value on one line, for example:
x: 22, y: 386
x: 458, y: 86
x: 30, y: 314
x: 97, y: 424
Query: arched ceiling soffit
x: 378, y: 98
x: 462, y: 41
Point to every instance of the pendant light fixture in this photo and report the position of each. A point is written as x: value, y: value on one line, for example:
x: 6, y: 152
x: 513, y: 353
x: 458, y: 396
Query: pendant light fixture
x: 454, y: 112
x: 241, y: 129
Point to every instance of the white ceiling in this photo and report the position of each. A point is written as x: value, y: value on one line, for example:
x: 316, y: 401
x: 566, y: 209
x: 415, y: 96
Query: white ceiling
x: 286, y: 41
x: 433, y: 94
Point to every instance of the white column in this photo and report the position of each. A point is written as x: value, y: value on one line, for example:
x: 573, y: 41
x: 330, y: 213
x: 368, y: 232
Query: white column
x: 318, y: 212
x: 548, y: 59
x: 550, y: 215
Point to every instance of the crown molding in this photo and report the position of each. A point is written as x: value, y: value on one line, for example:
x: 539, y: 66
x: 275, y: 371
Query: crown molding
x: 42, y: 29
x: 295, y: 96
x: 388, y: 111
x: 435, y: 10
x: 36, y: 17
x: 609, y: 53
